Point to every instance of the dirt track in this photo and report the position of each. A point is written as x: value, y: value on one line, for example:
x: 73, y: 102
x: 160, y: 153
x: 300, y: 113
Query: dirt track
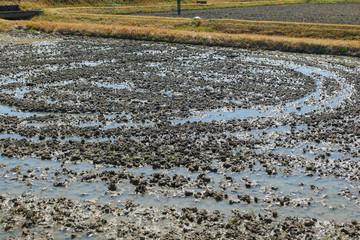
x: 340, y: 13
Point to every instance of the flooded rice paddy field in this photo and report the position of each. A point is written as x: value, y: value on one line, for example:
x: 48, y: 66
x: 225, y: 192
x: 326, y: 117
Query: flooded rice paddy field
x: 114, y: 139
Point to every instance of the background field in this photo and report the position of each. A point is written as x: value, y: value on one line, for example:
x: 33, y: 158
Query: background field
x: 326, y: 27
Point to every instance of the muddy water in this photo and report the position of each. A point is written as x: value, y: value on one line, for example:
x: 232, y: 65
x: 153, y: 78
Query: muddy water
x: 259, y: 100
x: 314, y: 101
x: 299, y: 187
x: 24, y: 40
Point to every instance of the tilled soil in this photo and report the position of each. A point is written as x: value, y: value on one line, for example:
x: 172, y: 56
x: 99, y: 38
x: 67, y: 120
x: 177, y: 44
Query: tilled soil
x: 126, y: 139
x: 336, y: 13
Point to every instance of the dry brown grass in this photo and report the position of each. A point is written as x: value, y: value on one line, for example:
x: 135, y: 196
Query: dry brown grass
x: 283, y: 36
x: 131, y: 6
x: 289, y: 29
x: 8, y: 2
x: 249, y: 41
x: 296, y: 30
x: 124, y: 20
x: 35, y: 4
x: 6, y: 25
x: 168, y: 6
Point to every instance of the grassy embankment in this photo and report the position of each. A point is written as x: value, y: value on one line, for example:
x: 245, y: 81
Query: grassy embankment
x: 113, y: 22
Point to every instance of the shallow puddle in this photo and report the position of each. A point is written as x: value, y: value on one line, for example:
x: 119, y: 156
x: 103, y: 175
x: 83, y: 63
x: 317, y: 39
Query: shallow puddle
x: 313, y: 102
x: 322, y: 193
x: 18, y: 40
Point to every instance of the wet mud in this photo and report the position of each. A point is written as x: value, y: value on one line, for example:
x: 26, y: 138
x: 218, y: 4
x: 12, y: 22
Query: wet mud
x: 111, y: 139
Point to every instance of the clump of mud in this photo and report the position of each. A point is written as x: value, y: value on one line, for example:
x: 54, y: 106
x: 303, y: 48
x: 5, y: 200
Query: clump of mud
x: 126, y: 139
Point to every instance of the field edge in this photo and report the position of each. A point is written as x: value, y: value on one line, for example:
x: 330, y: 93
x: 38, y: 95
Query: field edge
x: 246, y: 41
